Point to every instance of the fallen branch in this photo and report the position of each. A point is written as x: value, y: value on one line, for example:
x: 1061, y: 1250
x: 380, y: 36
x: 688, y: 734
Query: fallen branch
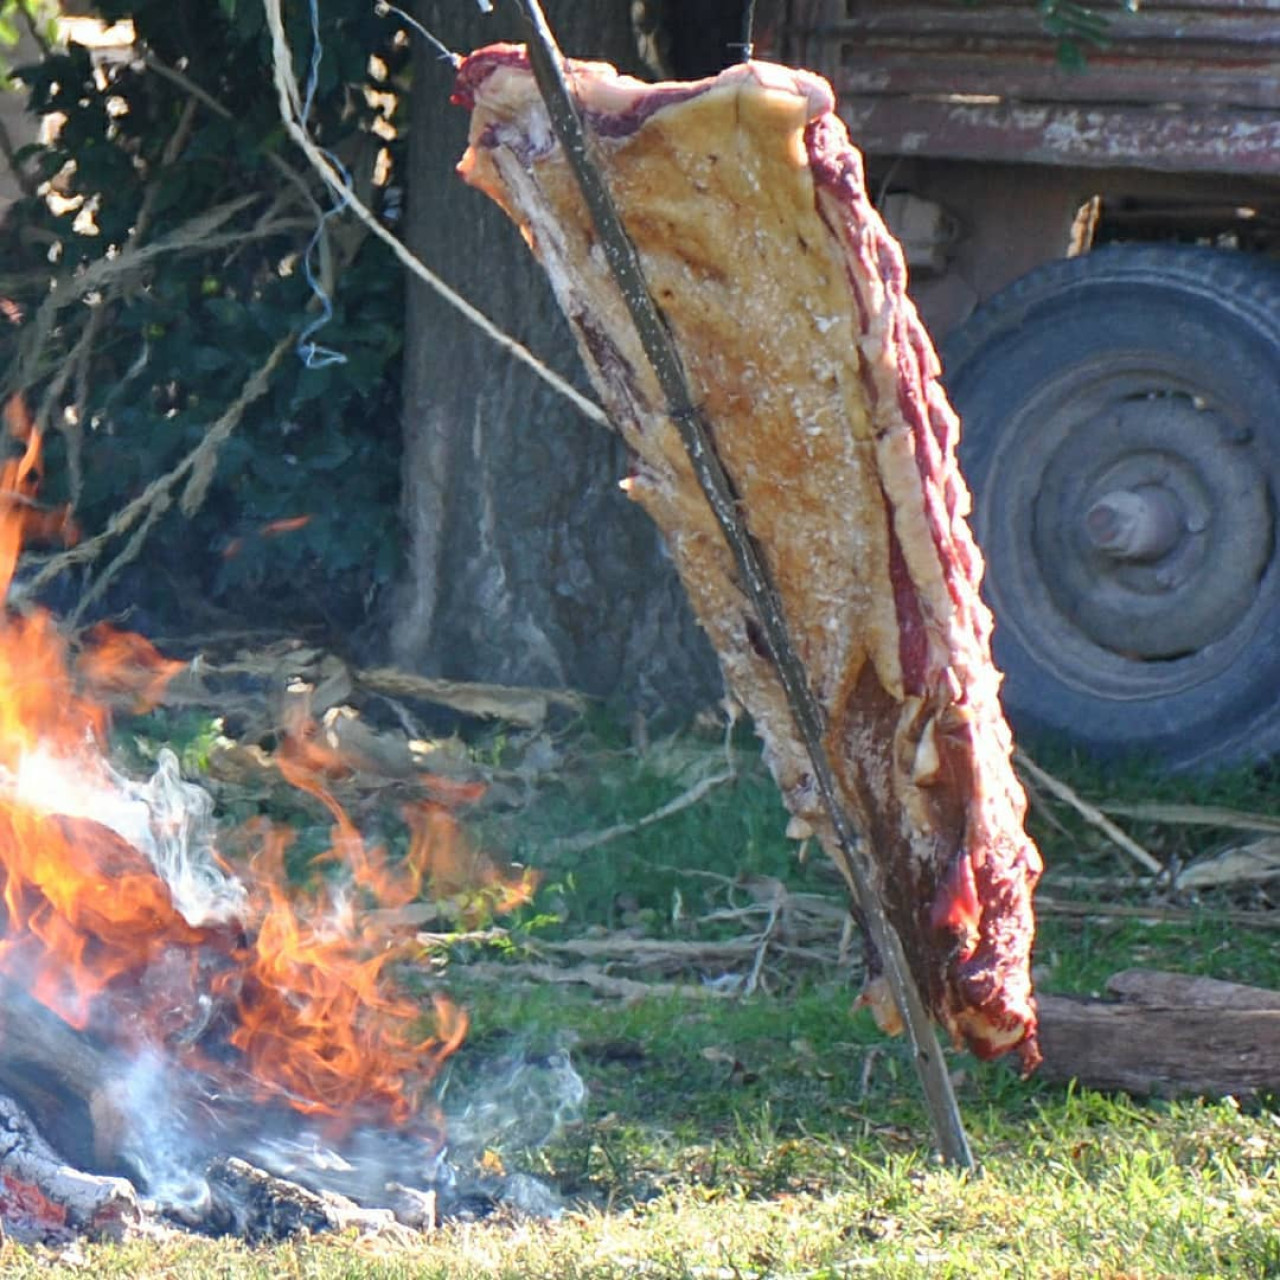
x: 199, y: 233
x: 686, y: 800
x: 1156, y: 914
x: 1196, y: 815
x: 520, y: 705
x: 1253, y: 863
x: 606, y: 984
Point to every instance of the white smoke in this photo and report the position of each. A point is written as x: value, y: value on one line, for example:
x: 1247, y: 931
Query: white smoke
x: 166, y: 818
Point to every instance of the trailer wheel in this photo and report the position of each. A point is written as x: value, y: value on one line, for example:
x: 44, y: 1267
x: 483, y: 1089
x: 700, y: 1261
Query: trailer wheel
x: 1121, y: 434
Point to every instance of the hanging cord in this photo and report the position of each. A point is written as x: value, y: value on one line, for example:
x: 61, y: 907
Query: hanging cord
x: 383, y: 7
x: 290, y: 108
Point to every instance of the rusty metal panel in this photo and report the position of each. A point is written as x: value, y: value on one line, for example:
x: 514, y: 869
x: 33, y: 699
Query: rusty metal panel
x: 1094, y: 137
x: 1032, y: 77
x: 1177, y: 85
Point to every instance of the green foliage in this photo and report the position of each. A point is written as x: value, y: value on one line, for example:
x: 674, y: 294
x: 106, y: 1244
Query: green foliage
x: 135, y: 373
x: 40, y: 16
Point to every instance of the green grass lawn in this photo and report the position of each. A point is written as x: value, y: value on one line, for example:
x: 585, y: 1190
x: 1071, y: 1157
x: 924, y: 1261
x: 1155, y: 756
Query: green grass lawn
x: 778, y: 1134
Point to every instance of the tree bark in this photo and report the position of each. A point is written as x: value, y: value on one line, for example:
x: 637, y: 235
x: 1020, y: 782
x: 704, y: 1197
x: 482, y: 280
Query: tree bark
x: 526, y: 563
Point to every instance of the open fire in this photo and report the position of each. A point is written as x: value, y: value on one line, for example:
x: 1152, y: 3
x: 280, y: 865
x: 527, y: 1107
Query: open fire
x: 193, y: 1019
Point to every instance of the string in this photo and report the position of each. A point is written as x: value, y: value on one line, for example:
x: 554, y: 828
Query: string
x: 383, y: 7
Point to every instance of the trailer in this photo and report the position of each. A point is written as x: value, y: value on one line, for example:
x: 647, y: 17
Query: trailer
x: 1093, y: 232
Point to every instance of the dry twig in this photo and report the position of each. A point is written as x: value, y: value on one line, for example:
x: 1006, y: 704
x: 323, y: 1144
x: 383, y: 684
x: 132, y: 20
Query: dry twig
x: 596, y: 979
x: 1196, y: 815
x: 1089, y: 812
x: 149, y: 505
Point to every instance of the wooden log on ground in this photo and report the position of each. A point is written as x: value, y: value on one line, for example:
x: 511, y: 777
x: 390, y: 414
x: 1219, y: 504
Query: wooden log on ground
x: 1174, y: 990
x: 1170, y: 1036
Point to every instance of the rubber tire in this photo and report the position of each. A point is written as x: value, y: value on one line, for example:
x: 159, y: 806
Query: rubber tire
x: 1213, y: 317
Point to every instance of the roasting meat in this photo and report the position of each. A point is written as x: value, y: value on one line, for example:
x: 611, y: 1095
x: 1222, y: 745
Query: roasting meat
x: 785, y: 295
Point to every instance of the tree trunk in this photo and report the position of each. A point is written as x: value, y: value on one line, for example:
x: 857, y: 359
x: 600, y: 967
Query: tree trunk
x: 526, y: 562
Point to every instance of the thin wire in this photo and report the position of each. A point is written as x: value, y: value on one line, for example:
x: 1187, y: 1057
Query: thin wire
x: 383, y: 7
x: 312, y: 355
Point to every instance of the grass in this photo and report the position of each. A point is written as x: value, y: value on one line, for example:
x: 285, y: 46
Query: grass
x: 780, y: 1135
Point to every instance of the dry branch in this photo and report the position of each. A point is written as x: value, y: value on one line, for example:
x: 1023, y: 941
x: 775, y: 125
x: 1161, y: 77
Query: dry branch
x: 685, y: 800
x: 157, y: 497
x: 1154, y: 914
x: 1196, y: 815
x: 517, y: 704
x: 1253, y: 863
x: 599, y: 981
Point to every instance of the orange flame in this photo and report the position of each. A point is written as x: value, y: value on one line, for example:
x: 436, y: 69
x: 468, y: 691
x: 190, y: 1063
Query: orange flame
x: 316, y: 1018
x: 272, y: 529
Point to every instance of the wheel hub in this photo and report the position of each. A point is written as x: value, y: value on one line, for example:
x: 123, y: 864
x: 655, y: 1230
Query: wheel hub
x: 1153, y: 527
x: 1135, y: 524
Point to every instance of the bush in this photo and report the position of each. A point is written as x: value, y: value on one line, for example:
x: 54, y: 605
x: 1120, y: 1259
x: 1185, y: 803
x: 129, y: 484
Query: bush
x: 175, y: 220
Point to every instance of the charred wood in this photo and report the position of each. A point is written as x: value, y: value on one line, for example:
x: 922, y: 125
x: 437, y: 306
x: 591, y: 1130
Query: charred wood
x: 61, y: 1078
x: 41, y: 1196
x: 259, y: 1206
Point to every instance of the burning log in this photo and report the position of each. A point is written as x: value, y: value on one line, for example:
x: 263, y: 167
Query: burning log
x: 40, y: 1192
x: 60, y: 1077
x: 255, y: 1204
x: 785, y: 298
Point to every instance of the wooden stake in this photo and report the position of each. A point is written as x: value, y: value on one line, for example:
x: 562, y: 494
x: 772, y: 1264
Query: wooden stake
x: 548, y: 69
